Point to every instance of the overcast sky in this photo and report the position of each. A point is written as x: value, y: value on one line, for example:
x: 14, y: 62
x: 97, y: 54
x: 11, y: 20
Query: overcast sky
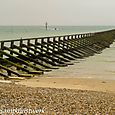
x: 57, y: 12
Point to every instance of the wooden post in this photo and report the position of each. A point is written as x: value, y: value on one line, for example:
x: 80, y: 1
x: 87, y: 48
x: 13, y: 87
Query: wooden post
x: 54, y: 44
x: 21, y: 42
x: 2, y: 48
x: 12, y: 44
x: 36, y: 40
x: 28, y: 44
x: 68, y: 38
x: 75, y: 36
x: 72, y: 37
x: 9, y: 73
x: 42, y: 42
x: 48, y: 39
x: 63, y: 41
x: 59, y: 39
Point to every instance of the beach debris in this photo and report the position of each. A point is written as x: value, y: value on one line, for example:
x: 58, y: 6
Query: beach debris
x: 103, y: 82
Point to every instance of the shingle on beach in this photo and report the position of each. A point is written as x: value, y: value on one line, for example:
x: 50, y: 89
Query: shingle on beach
x: 57, y: 101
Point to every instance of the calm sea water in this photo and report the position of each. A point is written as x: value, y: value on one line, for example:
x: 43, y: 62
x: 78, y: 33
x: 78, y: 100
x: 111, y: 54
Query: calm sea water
x: 100, y: 66
x: 15, y: 32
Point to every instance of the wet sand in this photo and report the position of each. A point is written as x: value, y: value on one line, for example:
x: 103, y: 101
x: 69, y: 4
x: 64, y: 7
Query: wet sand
x: 71, y: 83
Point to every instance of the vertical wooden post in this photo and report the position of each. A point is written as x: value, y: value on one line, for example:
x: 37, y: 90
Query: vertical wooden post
x: 75, y: 36
x: 36, y: 40
x: 2, y: 45
x: 21, y: 42
x: 12, y: 44
x: 9, y: 73
x: 2, y: 48
x: 78, y: 36
x: 76, y: 39
x: 28, y: 44
x: 48, y: 39
x: 72, y: 37
x: 59, y: 39
x: 68, y: 38
x: 42, y: 42
x: 79, y: 40
x: 63, y: 41
x: 54, y: 44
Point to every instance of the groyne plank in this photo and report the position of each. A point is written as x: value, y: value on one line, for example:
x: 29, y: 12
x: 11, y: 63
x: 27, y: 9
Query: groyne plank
x: 39, y: 55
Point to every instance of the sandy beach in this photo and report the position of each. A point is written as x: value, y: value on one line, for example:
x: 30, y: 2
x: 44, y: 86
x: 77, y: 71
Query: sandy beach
x: 59, y: 96
x: 71, y: 83
x: 57, y: 57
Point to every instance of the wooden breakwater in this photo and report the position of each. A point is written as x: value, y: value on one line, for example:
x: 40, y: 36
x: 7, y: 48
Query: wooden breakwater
x: 26, y: 57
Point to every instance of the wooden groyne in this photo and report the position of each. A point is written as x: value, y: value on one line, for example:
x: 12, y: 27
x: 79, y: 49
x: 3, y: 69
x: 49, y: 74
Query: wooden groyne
x: 26, y: 57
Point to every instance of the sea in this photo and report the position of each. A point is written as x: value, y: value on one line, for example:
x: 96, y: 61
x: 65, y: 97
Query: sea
x: 99, y: 66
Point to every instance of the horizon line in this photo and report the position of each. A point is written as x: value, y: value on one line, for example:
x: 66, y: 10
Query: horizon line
x: 54, y: 25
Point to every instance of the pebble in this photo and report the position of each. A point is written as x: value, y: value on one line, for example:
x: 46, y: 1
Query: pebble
x: 56, y: 101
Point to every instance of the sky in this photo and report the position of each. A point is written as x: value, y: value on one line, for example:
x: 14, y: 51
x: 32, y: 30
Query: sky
x: 57, y: 12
